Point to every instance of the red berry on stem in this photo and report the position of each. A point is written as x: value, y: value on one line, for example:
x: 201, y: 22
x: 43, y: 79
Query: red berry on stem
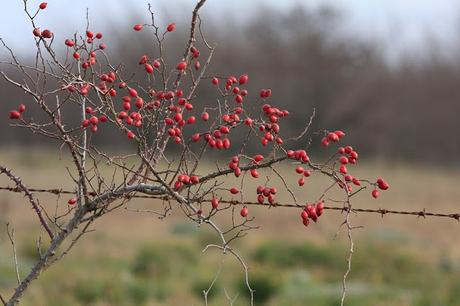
x: 72, y: 201
x: 244, y: 212
x: 21, y: 108
x: 191, y: 120
x: 196, y: 137
x: 243, y: 79
x: 137, y: 27
x: 333, y: 137
x: 47, y: 34
x: 139, y: 102
x: 339, y: 133
x: 311, y: 210
x: 214, y: 203
x: 43, y: 5
x: 181, y: 66
x: 194, y: 179
x: 301, y: 181
x: 304, y: 214
x: 258, y: 158
x: 112, y: 92
x: 260, y: 199
x: 375, y: 193
x: 143, y: 60
x: 234, y: 190
x: 148, y: 68
x: 132, y: 92
x: 130, y: 135
x: 171, y: 27
x: 94, y: 120
x: 37, y: 32
x: 69, y: 43
x: 14, y: 115
x: 205, y: 116
x: 319, y: 208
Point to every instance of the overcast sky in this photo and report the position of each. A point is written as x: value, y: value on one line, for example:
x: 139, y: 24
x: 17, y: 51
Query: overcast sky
x: 409, y: 20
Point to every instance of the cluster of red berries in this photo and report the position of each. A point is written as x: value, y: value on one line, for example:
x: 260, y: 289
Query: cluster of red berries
x: 382, y: 185
x: 184, y: 179
x: 92, y: 56
x: 304, y: 173
x: 332, y: 137
x: 266, y: 193
x: 93, y: 120
x: 234, y: 165
x: 301, y: 156
x: 43, y: 34
x: 347, y: 155
x: 312, y: 211
x: 16, y: 114
x: 149, y: 67
x: 271, y: 128
x: 195, y: 54
x: 219, y: 137
x: 176, y: 119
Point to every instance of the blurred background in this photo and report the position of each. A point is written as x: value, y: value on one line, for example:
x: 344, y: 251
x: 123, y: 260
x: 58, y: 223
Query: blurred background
x: 386, y: 72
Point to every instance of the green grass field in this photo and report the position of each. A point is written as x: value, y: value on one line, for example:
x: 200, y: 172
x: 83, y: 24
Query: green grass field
x: 137, y: 259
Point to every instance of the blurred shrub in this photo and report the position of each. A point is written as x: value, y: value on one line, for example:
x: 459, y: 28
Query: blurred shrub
x: 265, y: 283
x: 137, y: 292
x: 162, y: 260
x: 88, y: 291
x: 184, y: 228
x: 28, y: 249
x: 291, y: 255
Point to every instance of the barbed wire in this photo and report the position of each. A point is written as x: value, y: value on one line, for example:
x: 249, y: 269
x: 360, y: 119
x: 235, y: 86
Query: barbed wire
x: 381, y: 211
